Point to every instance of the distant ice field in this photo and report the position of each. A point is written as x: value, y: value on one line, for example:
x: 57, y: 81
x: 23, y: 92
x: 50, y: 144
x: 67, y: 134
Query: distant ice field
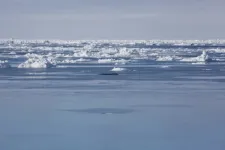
x: 56, y: 54
x: 133, y: 60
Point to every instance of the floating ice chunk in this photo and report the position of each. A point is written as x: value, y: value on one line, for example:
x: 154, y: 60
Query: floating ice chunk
x: 123, y: 52
x: 35, y: 58
x: 205, y: 56
x: 36, y: 63
x: 117, y: 69
x: 4, y: 64
x: 31, y: 55
x: 153, y: 54
x: 105, y: 61
x: 127, y: 53
x: 165, y: 58
x: 202, y: 58
x: 218, y: 50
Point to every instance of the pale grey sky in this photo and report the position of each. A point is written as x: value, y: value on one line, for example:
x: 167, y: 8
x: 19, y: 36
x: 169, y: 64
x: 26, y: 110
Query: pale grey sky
x: 108, y: 19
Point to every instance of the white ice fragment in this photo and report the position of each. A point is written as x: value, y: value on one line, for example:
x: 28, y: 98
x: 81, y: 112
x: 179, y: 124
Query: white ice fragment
x: 105, y: 61
x: 36, y: 63
x: 117, y: 69
x: 165, y: 58
x: 202, y: 58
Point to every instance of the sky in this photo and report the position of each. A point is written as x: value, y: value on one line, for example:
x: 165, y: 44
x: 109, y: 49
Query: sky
x: 112, y: 19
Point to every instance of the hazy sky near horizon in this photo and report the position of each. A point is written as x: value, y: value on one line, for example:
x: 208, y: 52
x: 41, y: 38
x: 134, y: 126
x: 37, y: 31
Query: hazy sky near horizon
x: 112, y: 19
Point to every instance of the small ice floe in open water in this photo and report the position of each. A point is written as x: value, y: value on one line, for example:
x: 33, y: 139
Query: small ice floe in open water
x: 4, y: 64
x: 101, y: 110
x: 36, y: 63
x: 117, y: 69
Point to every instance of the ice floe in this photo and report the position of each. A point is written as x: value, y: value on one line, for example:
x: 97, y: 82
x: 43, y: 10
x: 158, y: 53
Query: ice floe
x: 202, y: 58
x: 36, y: 62
x: 117, y: 69
x: 165, y: 58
